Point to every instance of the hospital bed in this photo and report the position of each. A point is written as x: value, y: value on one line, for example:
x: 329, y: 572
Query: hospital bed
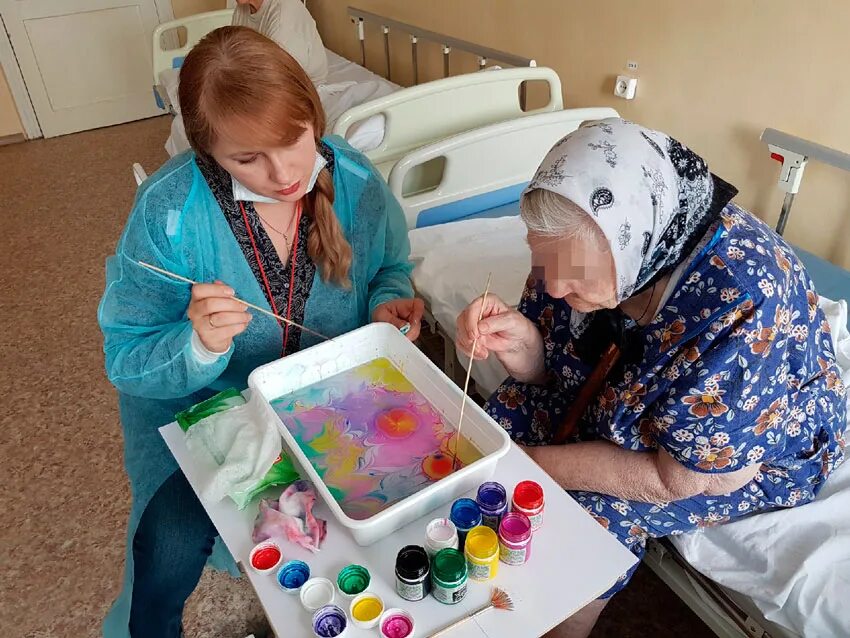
x: 778, y: 574
x: 374, y: 114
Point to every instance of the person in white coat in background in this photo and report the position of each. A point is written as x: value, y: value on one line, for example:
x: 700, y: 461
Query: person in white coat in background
x: 288, y: 23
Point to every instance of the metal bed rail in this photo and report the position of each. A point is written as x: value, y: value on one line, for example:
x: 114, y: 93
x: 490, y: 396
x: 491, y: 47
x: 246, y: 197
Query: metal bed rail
x: 793, y: 152
x: 485, y: 54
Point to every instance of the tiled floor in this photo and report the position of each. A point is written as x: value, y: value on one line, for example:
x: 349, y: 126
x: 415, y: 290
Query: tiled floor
x: 65, y: 496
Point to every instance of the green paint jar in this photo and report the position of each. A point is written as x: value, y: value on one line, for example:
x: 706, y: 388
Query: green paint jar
x: 353, y: 580
x: 449, y: 576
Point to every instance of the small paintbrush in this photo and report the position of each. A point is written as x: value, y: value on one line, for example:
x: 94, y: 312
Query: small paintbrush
x: 499, y: 599
x: 469, y: 372
x: 167, y: 273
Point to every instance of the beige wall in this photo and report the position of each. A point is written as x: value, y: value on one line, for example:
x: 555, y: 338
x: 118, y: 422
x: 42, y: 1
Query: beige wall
x: 713, y: 73
x: 10, y: 123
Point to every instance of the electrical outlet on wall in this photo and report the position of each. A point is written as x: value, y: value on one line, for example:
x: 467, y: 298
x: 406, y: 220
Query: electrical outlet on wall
x: 625, y: 87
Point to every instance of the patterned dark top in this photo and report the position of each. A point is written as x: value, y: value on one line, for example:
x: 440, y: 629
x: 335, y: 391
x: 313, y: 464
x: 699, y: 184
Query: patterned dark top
x: 279, y: 274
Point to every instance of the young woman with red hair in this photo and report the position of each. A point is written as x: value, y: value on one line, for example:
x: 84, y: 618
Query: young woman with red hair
x: 263, y: 208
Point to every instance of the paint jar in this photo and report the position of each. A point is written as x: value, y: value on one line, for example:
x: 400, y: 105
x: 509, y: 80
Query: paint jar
x: 397, y: 623
x: 412, y: 571
x: 515, y: 539
x: 465, y: 515
x: 317, y: 593
x: 329, y: 622
x: 353, y: 580
x: 366, y: 610
x: 493, y: 502
x: 482, y: 553
x: 265, y: 556
x: 441, y: 533
x: 449, y: 576
x: 292, y: 576
x: 528, y: 500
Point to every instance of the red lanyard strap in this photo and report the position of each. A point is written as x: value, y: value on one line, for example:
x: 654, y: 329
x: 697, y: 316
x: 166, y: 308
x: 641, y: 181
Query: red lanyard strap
x: 293, y: 261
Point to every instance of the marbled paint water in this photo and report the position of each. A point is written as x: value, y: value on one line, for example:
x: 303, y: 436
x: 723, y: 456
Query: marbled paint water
x: 372, y: 437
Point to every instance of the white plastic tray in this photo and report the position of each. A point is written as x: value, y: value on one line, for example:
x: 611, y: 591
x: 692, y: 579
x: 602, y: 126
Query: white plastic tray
x: 361, y: 346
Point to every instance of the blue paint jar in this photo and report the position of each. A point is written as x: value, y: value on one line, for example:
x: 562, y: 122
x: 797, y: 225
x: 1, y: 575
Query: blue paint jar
x: 465, y: 515
x: 292, y: 576
x: 493, y: 502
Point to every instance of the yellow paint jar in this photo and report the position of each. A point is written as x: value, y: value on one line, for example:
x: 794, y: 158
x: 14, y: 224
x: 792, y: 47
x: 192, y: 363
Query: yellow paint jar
x: 482, y: 553
x: 366, y: 610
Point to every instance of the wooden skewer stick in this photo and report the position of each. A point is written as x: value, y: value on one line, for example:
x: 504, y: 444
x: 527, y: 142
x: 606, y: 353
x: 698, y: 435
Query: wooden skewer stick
x: 469, y: 372
x: 167, y: 273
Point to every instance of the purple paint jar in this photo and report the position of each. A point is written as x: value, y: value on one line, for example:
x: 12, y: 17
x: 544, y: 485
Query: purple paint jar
x: 515, y: 539
x: 329, y: 622
x: 492, y: 499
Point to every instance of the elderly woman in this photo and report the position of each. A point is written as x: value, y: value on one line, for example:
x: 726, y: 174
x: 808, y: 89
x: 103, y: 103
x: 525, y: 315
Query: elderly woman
x: 670, y: 337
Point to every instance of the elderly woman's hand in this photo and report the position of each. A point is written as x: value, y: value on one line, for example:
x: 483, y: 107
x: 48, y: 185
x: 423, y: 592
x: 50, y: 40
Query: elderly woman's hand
x: 505, y: 332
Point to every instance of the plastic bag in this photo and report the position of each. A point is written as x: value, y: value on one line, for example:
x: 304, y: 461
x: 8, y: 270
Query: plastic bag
x: 282, y: 471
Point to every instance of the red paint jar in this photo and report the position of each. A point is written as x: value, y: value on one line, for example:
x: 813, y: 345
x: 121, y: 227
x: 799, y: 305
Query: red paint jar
x: 265, y: 556
x: 528, y: 500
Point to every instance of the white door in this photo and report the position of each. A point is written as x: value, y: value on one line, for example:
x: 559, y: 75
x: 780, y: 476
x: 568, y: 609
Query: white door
x: 86, y: 63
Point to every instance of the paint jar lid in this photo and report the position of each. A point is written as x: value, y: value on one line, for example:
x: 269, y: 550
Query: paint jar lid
x: 353, y: 580
x: 366, y: 610
x: 329, y: 621
x: 528, y: 495
x: 412, y: 563
x: 492, y: 497
x: 465, y: 513
x: 316, y: 593
x: 515, y: 528
x: 440, y: 534
x: 482, y: 543
x: 292, y: 575
x: 396, y: 623
x: 265, y: 556
x: 449, y: 566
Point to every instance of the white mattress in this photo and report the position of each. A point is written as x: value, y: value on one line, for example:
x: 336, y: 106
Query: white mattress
x: 473, y: 249
x: 794, y: 565
x: 348, y: 85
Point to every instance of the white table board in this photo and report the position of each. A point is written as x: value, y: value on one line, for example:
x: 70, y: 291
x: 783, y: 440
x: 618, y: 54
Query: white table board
x: 573, y: 561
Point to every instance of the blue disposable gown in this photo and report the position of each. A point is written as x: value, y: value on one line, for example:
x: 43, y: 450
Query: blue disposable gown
x: 177, y: 225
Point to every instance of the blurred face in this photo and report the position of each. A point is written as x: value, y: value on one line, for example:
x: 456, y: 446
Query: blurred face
x: 281, y: 173
x: 580, y: 271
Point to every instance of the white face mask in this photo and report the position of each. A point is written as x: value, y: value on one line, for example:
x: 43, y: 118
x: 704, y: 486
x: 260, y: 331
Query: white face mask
x: 241, y: 193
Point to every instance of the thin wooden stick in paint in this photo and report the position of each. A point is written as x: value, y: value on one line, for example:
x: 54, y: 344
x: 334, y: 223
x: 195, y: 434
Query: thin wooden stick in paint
x: 469, y: 372
x: 167, y: 273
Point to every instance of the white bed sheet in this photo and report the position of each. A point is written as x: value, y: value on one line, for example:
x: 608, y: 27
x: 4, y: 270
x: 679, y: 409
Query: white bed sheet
x: 451, y: 264
x: 348, y: 85
x: 793, y: 564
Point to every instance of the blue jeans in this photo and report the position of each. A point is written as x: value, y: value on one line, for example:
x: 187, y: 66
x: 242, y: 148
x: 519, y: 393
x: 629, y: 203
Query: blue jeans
x: 170, y: 548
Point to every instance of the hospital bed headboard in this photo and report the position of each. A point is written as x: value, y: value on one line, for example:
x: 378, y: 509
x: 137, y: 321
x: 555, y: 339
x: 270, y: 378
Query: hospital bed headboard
x: 484, y: 168
x: 476, y: 99
x: 197, y: 26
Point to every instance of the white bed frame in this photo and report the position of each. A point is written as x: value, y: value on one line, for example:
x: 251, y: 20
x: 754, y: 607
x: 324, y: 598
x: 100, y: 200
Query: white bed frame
x: 422, y: 114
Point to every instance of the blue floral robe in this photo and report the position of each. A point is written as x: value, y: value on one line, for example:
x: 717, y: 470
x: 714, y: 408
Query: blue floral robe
x: 737, y: 368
